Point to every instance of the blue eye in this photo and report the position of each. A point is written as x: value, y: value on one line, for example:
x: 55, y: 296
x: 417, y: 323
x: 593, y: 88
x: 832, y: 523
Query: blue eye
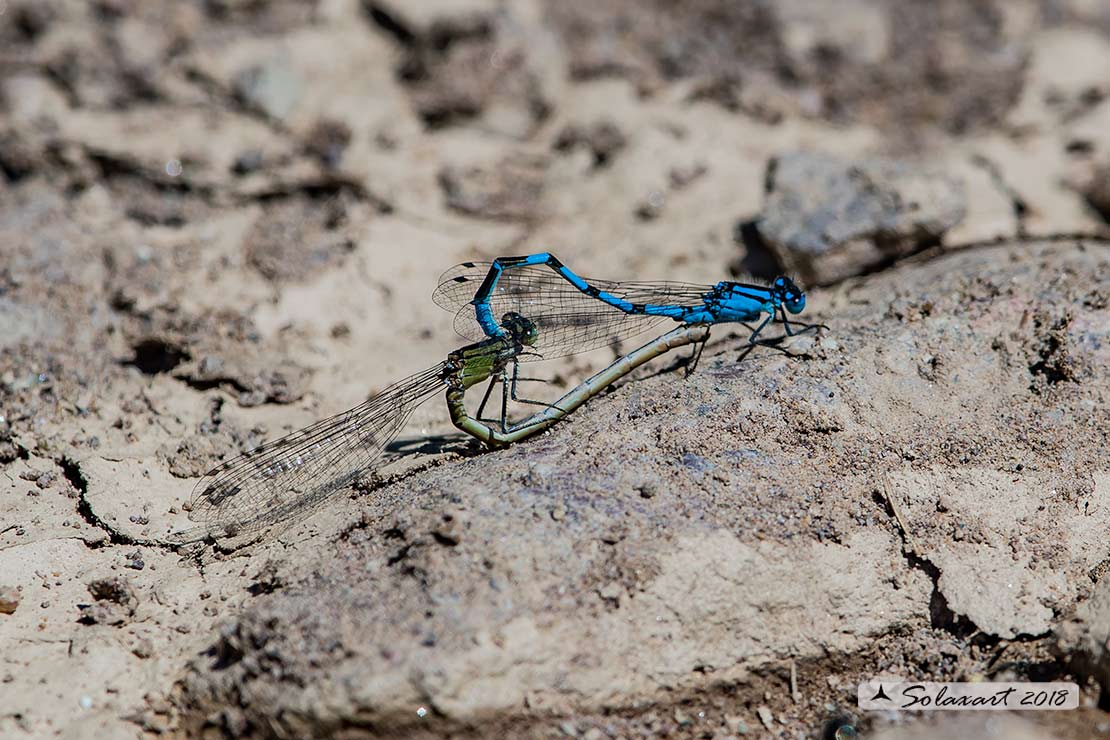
x: 795, y: 303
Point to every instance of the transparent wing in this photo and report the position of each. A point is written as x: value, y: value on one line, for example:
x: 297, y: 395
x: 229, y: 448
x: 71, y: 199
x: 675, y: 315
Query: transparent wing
x: 287, y: 478
x: 568, y: 320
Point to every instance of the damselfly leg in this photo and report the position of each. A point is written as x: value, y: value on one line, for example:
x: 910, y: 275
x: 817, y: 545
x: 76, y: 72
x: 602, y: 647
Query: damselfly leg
x: 695, y: 356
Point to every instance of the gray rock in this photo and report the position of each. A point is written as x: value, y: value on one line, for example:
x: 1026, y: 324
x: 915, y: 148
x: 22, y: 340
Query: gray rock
x: 827, y: 219
x: 1097, y: 191
x: 561, y: 584
x: 1084, y: 641
x: 271, y: 88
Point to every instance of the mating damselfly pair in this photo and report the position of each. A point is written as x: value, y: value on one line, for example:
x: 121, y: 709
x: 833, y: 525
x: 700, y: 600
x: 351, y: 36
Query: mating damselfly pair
x: 518, y: 309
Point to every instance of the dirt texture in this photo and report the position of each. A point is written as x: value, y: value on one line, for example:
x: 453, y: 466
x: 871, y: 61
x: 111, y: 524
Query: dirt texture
x: 222, y: 220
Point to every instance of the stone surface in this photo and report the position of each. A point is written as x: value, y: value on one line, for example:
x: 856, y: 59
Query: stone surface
x: 1084, y: 640
x: 1097, y: 192
x: 791, y: 490
x: 827, y: 218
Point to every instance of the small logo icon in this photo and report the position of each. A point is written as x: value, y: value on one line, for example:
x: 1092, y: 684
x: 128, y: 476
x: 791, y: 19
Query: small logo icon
x: 880, y: 694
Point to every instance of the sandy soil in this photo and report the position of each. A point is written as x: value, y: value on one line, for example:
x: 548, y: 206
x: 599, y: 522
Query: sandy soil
x: 221, y: 221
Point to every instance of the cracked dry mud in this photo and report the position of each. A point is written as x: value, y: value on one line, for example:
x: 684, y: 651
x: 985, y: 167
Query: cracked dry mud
x: 221, y: 221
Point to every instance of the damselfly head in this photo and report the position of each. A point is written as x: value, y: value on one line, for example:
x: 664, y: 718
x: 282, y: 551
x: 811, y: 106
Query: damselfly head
x: 520, y: 328
x: 789, y: 294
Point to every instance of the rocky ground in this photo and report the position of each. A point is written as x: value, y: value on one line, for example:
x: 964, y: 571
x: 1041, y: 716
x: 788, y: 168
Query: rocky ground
x: 221, y: 221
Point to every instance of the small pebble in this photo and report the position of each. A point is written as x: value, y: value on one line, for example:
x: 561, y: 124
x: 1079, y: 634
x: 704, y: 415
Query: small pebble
x: 135, y: 560
x: 9, y: 599
x: 247, y: 162
x: 611, y: 592
x: 144, y: 648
